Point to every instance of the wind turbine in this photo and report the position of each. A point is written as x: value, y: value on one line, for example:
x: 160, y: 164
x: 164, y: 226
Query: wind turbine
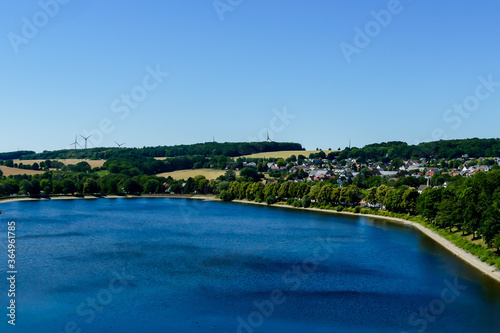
x: 76, y: 142
x: 119, y: 144
x: 85, y: 138
x: 268, y: 138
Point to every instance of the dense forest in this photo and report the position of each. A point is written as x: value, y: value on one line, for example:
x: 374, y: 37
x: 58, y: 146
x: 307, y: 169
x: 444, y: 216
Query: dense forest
x: 228, y: 149
x: 444, y: 149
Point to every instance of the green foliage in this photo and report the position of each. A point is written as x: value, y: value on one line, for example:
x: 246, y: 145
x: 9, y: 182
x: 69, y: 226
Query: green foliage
x: 251, y: 174
x: 306, y: 201
x: 225, y: 196
x: 91, y: 187
x: 271, y: 200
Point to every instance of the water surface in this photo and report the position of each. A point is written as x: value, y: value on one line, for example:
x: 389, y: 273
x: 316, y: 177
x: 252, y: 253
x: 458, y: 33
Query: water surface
x: 177, y: 265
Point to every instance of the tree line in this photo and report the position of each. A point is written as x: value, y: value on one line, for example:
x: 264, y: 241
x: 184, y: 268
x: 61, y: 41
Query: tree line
x: 228, y: 149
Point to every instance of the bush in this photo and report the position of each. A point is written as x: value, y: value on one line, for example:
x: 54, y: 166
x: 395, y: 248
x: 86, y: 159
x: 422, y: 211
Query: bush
x: 357, y: 210
x: 340, y: 208
x: 306, y: 201
x: 225, y: 196
x: 271, y: 200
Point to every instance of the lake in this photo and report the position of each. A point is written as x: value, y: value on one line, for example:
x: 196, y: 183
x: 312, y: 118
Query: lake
x: 178, y: 265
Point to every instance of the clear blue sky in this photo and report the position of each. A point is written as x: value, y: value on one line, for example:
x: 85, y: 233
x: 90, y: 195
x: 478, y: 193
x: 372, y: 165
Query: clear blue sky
x: 229, y: 77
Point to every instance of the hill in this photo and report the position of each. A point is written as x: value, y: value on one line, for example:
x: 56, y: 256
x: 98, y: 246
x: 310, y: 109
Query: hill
x: 229, y: 149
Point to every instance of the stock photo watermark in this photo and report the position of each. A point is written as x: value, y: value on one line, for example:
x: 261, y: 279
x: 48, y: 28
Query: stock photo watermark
x: 277, y: 124
x: 458, y: 112
x: 364, y: 35
x: 123, y: 105
x: 429, y: 314
x: 91, y: 306
x: 223, y: 6
x: 11, y: 272
x: 292, y: 279
x: 32, y: 25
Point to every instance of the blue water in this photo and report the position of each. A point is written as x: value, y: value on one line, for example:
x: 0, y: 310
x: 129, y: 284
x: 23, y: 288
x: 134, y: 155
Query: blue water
x: 176, y: 265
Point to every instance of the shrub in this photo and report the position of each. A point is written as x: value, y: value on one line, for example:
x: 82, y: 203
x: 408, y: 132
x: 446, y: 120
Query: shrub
x: 270, y: 200
x: 306, y: 201
x: 225, y: 196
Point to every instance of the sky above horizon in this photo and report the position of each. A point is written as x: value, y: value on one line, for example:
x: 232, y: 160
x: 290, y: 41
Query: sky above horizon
x: 318, y: 72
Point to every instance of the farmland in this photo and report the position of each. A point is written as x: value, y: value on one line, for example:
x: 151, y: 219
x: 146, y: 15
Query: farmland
x: 92, y: 163
x: 185, y: 174
x: 15, y: 171
x: 286, y: 153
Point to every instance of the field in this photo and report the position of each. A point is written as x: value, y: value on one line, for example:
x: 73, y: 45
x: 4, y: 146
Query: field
x: 185, y: 174
x: 286, y: 153
x: 92, y: 163
x: 15, y: 171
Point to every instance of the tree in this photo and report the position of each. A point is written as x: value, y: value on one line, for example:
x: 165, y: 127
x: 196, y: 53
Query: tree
x: 428, y: 203
x: 189, y: 187
x: 284, y: 190
x: 353, y: 195
x: 409, y: 203
x: 230, y: 175
x: 271, y: 190
x: 371, y: 198
x: 202, y: 185
x: 57, y: 187
x: 251, y: 174
x: 91, y: 187
x: 468, y: 201
x: 152, y: 186
x: 255, y: 192
x: 46, y: 186
x: 490, y: 226
x: 446, y: 216
x: 314, y: 192
x: 335, y: 198
x: 382, y: 192
x: 68, y: 186
x: 234, y: 189
x: 225, y: 196
x: 132, y: 187
x: 306, y: 201
x: 270, y: 200
x: 36, y: 187
x: 26, y: 187
x: 325, y: 193
x: 496, y: 242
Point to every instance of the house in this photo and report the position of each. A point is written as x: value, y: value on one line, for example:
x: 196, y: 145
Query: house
x: 421, y: 188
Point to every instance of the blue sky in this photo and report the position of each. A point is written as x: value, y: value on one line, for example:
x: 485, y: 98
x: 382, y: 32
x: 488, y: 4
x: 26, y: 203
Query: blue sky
x: 247, y: 67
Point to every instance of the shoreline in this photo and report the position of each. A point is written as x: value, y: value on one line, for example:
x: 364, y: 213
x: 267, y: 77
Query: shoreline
x: 462, y: 254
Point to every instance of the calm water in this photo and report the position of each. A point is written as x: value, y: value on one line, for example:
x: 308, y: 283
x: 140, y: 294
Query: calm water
x: 175, y: 265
